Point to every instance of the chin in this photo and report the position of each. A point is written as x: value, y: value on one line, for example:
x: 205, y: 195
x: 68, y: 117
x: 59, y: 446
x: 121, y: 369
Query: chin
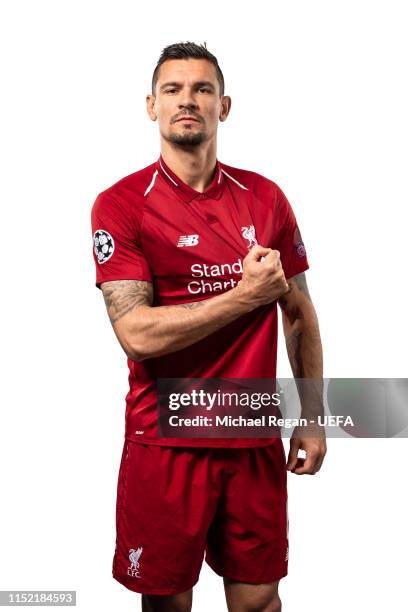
x: 193, y: 138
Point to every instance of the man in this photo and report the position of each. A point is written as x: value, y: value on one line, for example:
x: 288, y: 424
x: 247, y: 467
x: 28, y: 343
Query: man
x: 192, y: 257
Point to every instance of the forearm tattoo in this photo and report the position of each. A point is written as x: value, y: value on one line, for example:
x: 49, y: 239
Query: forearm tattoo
x: 123, y: 295
x: 191, y: 305
x: 293, y: 343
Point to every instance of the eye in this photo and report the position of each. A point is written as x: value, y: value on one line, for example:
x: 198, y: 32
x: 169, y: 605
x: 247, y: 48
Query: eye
x: 204, y: 89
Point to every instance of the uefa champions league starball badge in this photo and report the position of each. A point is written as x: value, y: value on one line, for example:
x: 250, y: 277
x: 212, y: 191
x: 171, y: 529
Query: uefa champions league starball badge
x: 103, y: 245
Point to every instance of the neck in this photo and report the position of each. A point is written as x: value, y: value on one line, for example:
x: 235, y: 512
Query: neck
x: 195, y: 167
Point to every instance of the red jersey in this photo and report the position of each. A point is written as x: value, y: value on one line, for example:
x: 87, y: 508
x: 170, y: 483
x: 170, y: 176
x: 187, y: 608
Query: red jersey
x: 152, y: 226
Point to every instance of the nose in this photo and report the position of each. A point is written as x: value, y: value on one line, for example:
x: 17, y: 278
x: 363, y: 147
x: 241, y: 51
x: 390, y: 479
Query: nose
x: 187, y: 100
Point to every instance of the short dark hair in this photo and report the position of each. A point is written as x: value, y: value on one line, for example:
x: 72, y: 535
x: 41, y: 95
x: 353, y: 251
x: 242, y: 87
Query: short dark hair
x: 184, y: 51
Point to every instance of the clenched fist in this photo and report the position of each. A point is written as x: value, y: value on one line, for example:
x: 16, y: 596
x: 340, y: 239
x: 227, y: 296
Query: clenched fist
x: 263, y: 278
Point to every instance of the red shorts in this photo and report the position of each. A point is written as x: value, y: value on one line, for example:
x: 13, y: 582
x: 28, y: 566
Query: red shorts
x: 175, y: 504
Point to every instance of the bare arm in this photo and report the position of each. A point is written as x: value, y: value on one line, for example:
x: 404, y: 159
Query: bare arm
x: 302, y: 335
x: 146, y: 331
x: 301, y: 330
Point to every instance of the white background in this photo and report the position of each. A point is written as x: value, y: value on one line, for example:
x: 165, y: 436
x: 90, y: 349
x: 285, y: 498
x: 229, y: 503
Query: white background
x: 319, y: 101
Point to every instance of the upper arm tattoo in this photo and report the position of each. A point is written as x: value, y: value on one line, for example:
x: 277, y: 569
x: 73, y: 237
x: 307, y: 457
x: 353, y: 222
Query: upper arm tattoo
x: 300, y: 281
x: 123, y: 295
x: 294, y: 335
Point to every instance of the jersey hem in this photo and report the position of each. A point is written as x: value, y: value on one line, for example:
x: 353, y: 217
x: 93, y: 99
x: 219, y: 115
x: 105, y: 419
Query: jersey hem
x: 204, y: 442
x: 120, y: 277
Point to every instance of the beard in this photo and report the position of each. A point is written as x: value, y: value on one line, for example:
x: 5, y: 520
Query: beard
x: 186, y: 138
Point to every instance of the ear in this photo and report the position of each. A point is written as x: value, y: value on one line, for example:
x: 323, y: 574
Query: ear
x: 225, y: 107
x: 150, y: 106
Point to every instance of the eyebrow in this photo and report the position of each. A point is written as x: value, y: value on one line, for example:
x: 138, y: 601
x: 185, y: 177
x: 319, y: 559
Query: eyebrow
x: 196, y: 84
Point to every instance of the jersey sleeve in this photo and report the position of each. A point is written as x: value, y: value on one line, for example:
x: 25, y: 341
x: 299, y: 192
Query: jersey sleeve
x: 117, y: 249
x: 288, y: 240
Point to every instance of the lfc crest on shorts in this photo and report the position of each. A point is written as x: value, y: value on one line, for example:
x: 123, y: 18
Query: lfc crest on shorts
x: 134, y: 556
x: 249, y: 234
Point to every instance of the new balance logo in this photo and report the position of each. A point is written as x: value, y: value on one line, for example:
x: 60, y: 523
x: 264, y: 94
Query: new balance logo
x: 191, y: 240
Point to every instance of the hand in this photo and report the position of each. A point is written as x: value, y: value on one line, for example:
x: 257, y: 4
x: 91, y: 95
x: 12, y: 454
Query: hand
x: 315, y: 452
x: 263, y: 278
